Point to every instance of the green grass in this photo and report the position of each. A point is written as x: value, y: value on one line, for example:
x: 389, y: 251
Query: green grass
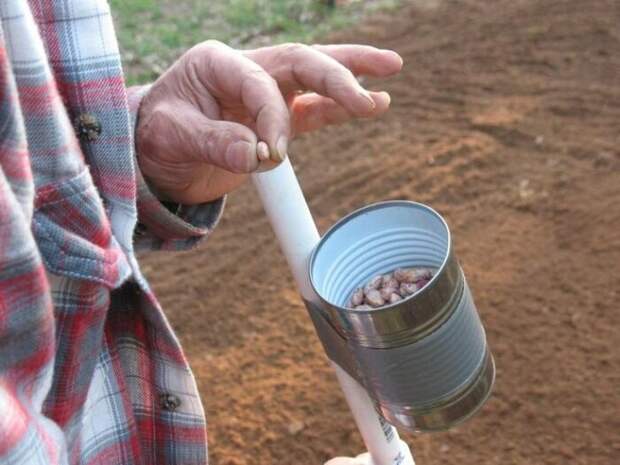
x: 153, y: 33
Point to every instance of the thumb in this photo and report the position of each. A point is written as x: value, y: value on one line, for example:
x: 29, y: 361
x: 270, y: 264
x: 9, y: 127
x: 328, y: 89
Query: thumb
x: 179, y: 133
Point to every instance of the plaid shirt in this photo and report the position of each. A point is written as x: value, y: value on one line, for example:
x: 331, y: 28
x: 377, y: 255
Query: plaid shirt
x: 90, y: 370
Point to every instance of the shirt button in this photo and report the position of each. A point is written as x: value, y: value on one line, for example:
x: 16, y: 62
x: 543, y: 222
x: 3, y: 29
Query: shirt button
x: 169, y: 402
x: 87, y: 127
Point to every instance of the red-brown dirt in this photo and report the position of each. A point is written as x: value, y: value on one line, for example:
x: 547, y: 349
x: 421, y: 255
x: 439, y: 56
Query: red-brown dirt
x: 506, y: 119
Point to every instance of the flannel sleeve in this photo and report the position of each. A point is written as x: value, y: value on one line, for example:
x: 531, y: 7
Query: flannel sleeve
x: 162, y: 225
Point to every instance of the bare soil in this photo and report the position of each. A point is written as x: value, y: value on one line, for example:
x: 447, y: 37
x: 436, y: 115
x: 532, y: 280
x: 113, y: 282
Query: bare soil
x: 506, y: 119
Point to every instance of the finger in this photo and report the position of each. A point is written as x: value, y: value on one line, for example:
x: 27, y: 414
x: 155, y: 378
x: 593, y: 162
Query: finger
x: 300, y: 67
x: 179, y: 131
x: 364, y: 59
x: 228, y: 75
x: 312, y: 111
x: 266, y: 165
x: 347, y: 461
x: 262, y: 150
x: 364, y: 458
x: 228, y: 145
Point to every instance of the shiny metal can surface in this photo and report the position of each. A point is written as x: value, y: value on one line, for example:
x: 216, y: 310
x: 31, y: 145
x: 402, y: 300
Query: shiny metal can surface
x: 423, y: 360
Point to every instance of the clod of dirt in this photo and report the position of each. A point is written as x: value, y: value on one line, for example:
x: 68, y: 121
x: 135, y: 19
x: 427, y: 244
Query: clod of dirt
x: 295, y: 427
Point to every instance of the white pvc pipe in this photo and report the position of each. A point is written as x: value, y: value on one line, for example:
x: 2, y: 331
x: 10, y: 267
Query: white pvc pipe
x: 296, y: 232
x: 380, y: 438
x: 290, y: 219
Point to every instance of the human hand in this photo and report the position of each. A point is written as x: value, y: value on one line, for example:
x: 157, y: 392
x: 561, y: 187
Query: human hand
x: 217, y: 113
x: 362, y: 459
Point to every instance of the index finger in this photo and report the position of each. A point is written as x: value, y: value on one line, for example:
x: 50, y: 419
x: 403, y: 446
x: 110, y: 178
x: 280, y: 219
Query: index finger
x: 364, y: 59
x: 301, y: 67
x: 235, y: 79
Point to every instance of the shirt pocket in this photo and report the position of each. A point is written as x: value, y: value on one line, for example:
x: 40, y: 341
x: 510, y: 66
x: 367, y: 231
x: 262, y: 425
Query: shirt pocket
x: 74, y: 235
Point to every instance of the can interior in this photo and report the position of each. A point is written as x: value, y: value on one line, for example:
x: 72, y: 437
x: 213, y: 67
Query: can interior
x: 377, y: 239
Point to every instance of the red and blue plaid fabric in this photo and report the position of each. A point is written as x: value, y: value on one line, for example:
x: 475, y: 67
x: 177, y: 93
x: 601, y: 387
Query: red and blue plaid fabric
x: 90, y: 370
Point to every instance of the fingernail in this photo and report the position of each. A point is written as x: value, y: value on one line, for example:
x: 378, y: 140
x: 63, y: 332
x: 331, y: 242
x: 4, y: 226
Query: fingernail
x: 387, y: 96
x: 281, y: 149
x: 240, y: 156
x: 366, y: 95
x: 262, y: 151
x: 400, y: 59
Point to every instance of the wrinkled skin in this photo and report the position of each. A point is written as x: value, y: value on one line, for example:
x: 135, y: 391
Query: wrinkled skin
x: 218, y: 114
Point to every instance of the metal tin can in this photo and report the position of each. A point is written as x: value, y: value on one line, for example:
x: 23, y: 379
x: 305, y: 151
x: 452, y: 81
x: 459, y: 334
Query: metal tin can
x: 424, y: 360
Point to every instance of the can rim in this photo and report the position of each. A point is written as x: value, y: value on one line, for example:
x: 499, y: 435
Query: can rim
x: 365, y: 209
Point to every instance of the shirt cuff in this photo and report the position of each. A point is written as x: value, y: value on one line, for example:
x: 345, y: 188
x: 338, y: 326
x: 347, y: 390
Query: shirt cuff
x: 166, y: 226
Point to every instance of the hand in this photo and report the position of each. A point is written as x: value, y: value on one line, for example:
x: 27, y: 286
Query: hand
x: 362, y: 459
x: 218, y: 113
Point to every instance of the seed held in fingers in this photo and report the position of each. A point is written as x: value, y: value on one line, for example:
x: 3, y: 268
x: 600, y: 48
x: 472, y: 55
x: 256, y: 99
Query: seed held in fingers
x: 262, y: 151
x: 374, y: 299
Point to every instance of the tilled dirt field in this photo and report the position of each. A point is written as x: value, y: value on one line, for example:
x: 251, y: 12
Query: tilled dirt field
x: 506, y: 119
